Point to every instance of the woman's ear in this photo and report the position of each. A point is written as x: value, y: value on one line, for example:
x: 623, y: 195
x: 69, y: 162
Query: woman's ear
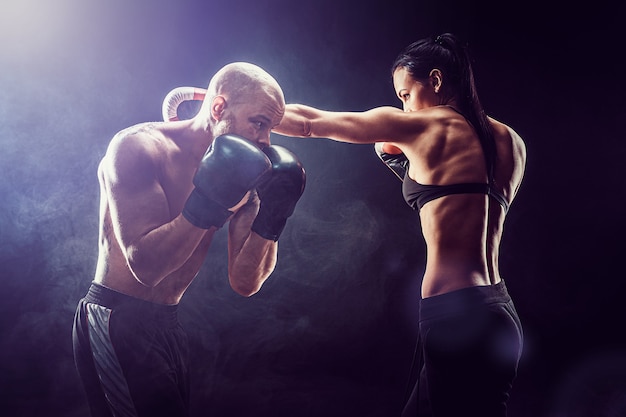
x: 436, y: 79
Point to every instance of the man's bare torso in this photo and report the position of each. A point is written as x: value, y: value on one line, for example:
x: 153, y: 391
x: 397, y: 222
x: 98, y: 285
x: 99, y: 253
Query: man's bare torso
x: 173, y: 169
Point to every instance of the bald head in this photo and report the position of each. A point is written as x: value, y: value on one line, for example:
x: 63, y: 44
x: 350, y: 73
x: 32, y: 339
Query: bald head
x: 239, y: 80
x: 242, y: 99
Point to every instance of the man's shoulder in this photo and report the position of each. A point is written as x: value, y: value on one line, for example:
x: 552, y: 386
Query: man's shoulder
x: 143, y: 138
x: 141, y: 133
x: 140, y: 145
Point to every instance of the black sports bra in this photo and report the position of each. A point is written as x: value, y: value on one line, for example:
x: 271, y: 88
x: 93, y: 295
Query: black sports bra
x: 416, y: 194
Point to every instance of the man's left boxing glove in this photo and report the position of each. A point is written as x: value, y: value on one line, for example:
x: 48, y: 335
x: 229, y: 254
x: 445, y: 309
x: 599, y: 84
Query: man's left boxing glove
x: 280, y: 193
x: 230, y: 168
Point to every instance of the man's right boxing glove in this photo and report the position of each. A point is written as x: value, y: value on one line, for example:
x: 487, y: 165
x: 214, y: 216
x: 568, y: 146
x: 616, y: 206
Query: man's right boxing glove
x: 398, y: 163
x: 230, y: 168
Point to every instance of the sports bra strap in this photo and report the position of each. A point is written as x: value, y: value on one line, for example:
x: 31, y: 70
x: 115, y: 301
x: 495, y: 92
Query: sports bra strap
x: 416, y: 194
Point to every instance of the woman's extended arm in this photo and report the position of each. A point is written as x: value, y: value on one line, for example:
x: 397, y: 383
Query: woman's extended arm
x: 381, y: 124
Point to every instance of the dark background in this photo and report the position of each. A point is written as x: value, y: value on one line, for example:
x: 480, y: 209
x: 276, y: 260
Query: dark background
x: 332, y: 331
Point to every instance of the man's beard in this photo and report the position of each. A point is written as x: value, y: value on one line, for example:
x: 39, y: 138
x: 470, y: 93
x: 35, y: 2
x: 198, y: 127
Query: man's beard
x: 223, y: 127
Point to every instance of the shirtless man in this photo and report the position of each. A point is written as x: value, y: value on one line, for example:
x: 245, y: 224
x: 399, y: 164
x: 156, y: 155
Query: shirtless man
x: 165, y: 189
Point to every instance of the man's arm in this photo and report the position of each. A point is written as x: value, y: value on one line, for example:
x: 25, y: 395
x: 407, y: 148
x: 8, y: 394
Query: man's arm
x: 251, y: 258
x: 153, y: 243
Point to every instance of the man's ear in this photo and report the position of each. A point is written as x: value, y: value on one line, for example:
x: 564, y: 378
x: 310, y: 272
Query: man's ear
x: 436, y: 79
x: 217, y: 107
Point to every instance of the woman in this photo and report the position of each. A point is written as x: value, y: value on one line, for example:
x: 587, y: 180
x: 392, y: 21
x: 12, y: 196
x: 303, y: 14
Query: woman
x: 461, y: 170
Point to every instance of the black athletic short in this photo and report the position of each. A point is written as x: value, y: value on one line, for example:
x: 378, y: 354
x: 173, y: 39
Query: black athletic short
x: 131, y: 355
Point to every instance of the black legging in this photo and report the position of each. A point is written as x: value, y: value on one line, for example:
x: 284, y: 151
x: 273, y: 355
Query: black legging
x: 470, y: 343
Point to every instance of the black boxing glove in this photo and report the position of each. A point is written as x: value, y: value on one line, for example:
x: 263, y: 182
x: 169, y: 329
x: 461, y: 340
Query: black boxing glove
x: 280, y: 193
x: 230, y: 168
x: 398, y: 163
